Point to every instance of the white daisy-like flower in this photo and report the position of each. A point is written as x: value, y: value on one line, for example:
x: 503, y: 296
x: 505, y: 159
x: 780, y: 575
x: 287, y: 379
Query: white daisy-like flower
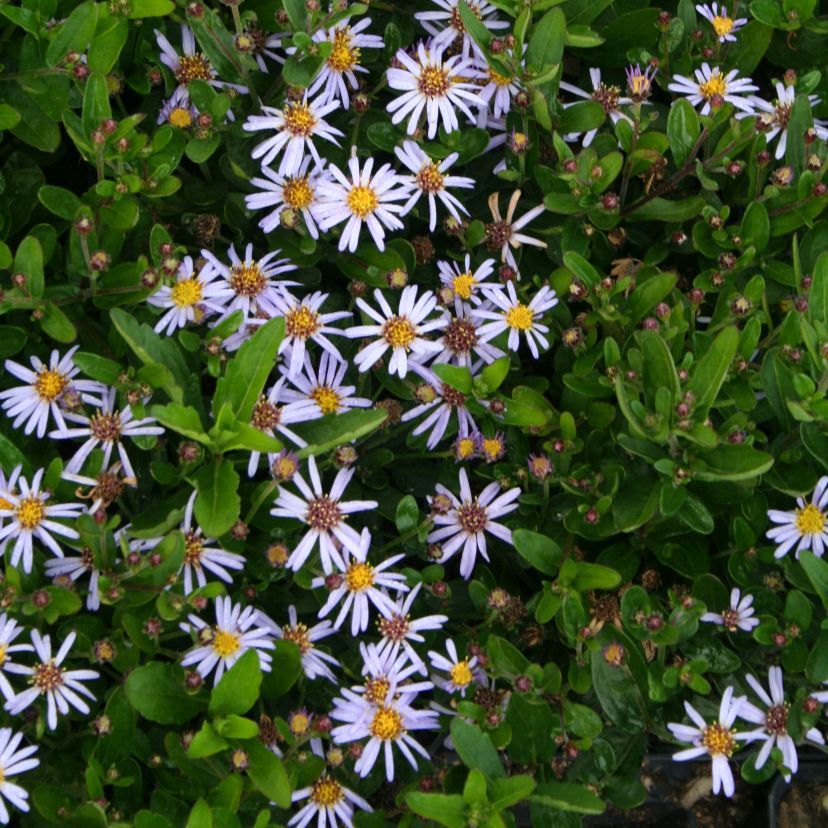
x: 9, y: 631
x: 75, y: 567
x: 325, y: 516
x: 360, y: 585
x: 46, y: 385
x: 608, y: 96
x: 315, y: 662
x: 322, y: 392
x: 178, y: 110
x: 738, y: 616
x: 270, y: 415
x: 304, y: 323
x: 296, y: 126
x: 465, y: 281
x: 367, y: 197
x: 264, y: 45
x: 773, y: 116
x: 7, y: 484
x: 429, y: 179
x: 432, y: 86
x: 198, y: 555
x: 398, y: 630
x: 461, y: 671
x: 236, y: 631
x: 461, y: 342
x: 328, y: 801
x: 103, y: 490
x: 468, y: 520
x: 252, y: 281
x: 338, y: 72
x: 446, y: 26
x: 297, y: 193
x: 439, y: 400
x: 107, y: 428
x: 717, y: 739
x: 30, y: 517
x: 517, y: 318
x: 806, y: 527
x: 503, y: 233
x: 13, y: 761
x: 387, y: 674
x: 495, y: 90
x: 62, y: 688
x: 192, y: 297
x: 724, y: 26
x: 402, y: 331
x: 773, y: 721
x: 713, y: 89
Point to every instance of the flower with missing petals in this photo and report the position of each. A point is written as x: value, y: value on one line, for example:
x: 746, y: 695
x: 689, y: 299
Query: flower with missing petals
x: 447, y: 28
x: 608, y: 96
x: 806, y: 527
x: 271, y: 414
x: 738, y: 616
x: 713, y: 89
x: 503, y: 232
x: 774, y: 117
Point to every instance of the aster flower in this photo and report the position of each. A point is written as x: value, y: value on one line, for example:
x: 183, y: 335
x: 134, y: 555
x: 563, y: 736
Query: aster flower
x: 107, y: 428
x: 270, y: 415
x: 469, y: 519
x: 402, y: 331
x: 773, y: 721
x: 495, y: 90
x: 503, y: 233
x: 325, y: 515
x: 74, y: 568
x: 198, y: 555
x: 429, y: 179
x: 13, y: 761
x: 773, y: 116
x: 724, y: 26
x: 263, y: 45
x: 713, y: 89
x: 192, y: 297
x: 491, y: 449
x: 367, y: 197
x: 514, y: 316
x: 608, y: 96
x: 328, y: 800
x: 322, y: 392
x: 62, y: 688
x: 296, y: 126
x: 297, y: 192
x: 717, y: 739
x: 252, y: 281
x: 461, y: 341
x: 387, y: 675
x: 178, y: 110
x: 315, y: 662
x: 461, y: 671
x: 9, y: 631
x: 738, y: 616
x: 432, y: 86
x: 806, y: 527
x: 104, y: 489
x: 465, y: 281
x: 360, y: 584
x: 446, y: 26
x: 640, y: 84
x: 236, y: 631
x: 30, y: 517
x: 46, y: 386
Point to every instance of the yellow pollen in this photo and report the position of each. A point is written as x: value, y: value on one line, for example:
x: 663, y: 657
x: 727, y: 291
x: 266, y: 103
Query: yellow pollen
x: 430, y: 179
x: 498, y: 79
x: 376, y: 690
x: 465, y: 448
x: 718, y: 740
x: 520, y: 317
x: 359, y: 577
x: 297, y: 193
x: 362, y: 201
x: 810, y: 521
x: 30, y: 512
x: 398, y: 332
x: 193, y: 550
x: 181, y: 118
x: 639, y: 85
x: 326, y: 398
x: 492, y: 447
x: 715, y: 86
x: 299, y: 723
x: 5, y: 505
x: 302, y: 322
x: 247, y: 280
x: 186, y: 293
x: 722, y: 25
x: 286, y: 467
x: 434, y: 82
x: 298, y: 119
x: 463, y: 285
x: 3, y: 648
x: 193, y: 67
x: 342, y: 56
x: 49, y: 384
x: 326, y: 793
x: 461, y: 674
x: 225, y: 643
x: 387, y: 724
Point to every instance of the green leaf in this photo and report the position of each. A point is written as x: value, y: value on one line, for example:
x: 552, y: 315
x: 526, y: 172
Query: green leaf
x: 338, y: 429
x: 206, y: 743
x: 96, y: 106
x: 567, y: 796
x: 157, y: 692
x: 238, y: 688
x: 237, y: 727
x: 445, y: 809
x: 473, y: 25
x: 9, y: 116
x: 296, y: 12
x: 732, y: 463
x: 546, y: 46
x: 594, y: 576
x: 12, y: 339
x: 581, y: 268
x: 815, y: 440
x: 777, y: 383
x: 711, y: 370
x: 457, y: 376
x: 663, y: 209
x: 56, y: 324
x: 818, y: 295
x: 97, y: 367
x: 407, y: 516
x: 29, y: 260
x: 74, y: 34
x: 800, y: 121
x: 755, y: 228
x: 817, y: 571
x: 218, y: 504
x: 267, y: 773
x: 150, y: 8
x: 181, y: 418
x: 286, y: 668
x: 582, y: 117
x: 475, y: 748
x: 201, y: 816
x: 532, y: 722
x: 648, y: 294
x: 683, y: 130
x: 494, y: 374
x: 63, y: 203
x: 198, y: 150
x: 508, y: 792
x: 110, y: 38
x: 541, y: 552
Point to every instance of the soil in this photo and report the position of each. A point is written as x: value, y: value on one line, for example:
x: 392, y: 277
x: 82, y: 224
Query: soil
x: 804, y: 804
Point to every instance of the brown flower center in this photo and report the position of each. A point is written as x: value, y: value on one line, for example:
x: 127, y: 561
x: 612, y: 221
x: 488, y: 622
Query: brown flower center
x: 472, y: 516
x: 430, y: 179
x: 106, y: 427
x: 607, y: 96
x: 300, y: 636
x: 460, y: 336
x: 394, y: 628
x: 776, y: 719
x: 47, y: 676
x: 452, y: 396
x: 266, y: 416
x: 193, y: 67
x: 323, y: 514
x: 247, y: 280
x: 434, y: 81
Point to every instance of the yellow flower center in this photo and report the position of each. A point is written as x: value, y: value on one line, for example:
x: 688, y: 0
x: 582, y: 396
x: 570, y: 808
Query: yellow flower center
x: 298, y: 119
x: 193, y: 549
x: 181, y: 118
x: 5, y: 505
x: 520, y: 317
x: 465, y: 448
x: 3, y: 648
x: 810, y: 521
x: 376, y: 690
x: 492, y: 447
x: 342, y: 56
x: 193, y: 67
x: 30, y: 512
x: 359, y: 577
x: 722, y: 25
x: 186, y: 293
x: 302, y: 322
x: 326, y: 793
x: 247, y: 280
x: 498, y: 79
x: 299, y: 723
x: 463, y: 285
x: 326, y: 398
x: 284, y: 467
x: 639, y: 85
x: 300, y: 636
x: 398, y: 332
x: 718, y: 740
x: 429, y: 178
x: 49, y: 385
x: 225, y: 643
x: 716, y: 85
x: 387, y: 724
x: 434, y: 81
x: 362, y: 201
x: 297, y: 193
x: 461, y: 674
